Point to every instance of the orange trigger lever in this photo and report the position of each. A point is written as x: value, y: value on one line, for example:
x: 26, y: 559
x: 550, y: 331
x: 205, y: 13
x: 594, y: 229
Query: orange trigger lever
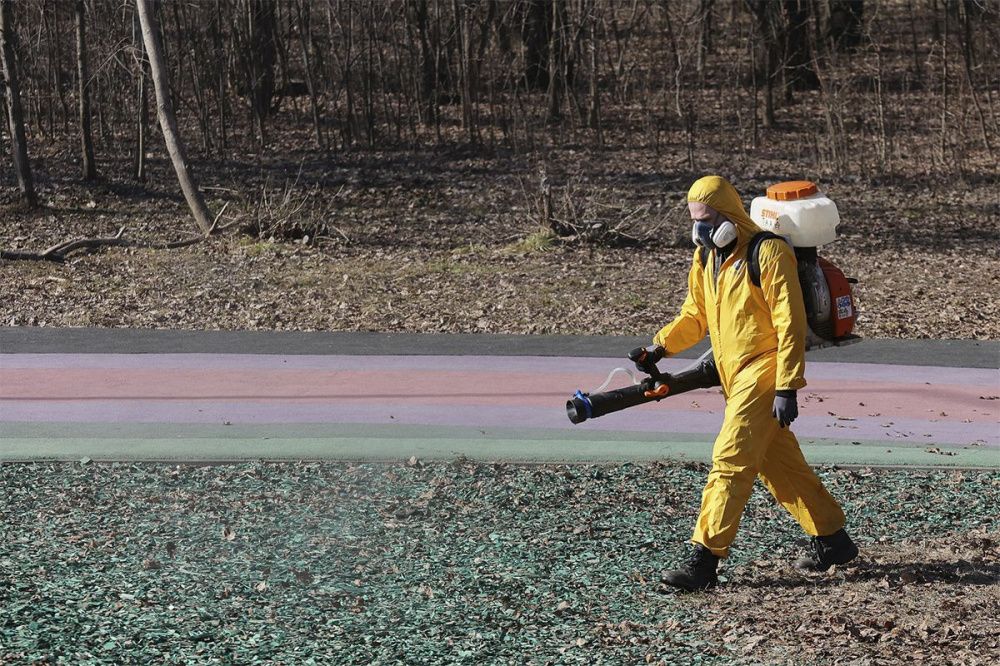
x: 659, y: 392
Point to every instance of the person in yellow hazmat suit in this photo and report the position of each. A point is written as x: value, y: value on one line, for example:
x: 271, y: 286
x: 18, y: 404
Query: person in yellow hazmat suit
x: 758, y: 338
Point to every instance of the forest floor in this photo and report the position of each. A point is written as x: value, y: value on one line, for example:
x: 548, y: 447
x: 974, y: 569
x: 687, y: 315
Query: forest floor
x: 451, y: 240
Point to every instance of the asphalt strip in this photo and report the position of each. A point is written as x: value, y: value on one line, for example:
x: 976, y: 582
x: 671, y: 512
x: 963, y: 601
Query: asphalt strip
x: 41, y: 340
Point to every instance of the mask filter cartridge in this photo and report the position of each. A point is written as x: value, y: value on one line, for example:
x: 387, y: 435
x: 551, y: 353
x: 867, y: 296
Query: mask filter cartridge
x: 704, y: 234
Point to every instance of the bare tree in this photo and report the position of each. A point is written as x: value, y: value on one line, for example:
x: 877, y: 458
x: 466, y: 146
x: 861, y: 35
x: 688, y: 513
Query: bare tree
x: 142, y: 104
x: 768, y: 28
x: 462, y: 29
x: 846, y: 23
x: 365, y: 74
x: 165, y: 113
x: 536, y: 32
x: 15, y: 115
x: 256, y: 54
x: 83, y: 83
x: 428, y: 92
x: 594, y: 110
x: 798, y: 70
x: 305, y: 41
x: 557, y: 57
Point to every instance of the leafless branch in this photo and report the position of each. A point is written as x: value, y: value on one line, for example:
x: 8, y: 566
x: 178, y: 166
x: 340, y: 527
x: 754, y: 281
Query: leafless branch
x: 58, y: 252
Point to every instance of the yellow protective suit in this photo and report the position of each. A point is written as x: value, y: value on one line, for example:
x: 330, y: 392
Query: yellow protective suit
x: 758, y: 338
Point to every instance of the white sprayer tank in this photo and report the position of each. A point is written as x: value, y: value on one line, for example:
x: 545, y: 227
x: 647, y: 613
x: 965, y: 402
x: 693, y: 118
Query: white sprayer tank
x: 798, y: 211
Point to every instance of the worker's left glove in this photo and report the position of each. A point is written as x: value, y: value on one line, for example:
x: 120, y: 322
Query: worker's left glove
x: 786, y: 407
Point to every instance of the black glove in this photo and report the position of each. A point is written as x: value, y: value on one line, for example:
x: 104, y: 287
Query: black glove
x: 786, y: 407
x: 646, y: 357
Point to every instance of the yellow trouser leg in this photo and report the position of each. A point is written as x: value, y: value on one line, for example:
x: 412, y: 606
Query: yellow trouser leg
x: 747, y: 430
x: 795, y: 485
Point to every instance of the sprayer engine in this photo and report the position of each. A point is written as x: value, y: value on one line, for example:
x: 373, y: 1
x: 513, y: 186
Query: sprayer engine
x: 807, y: 219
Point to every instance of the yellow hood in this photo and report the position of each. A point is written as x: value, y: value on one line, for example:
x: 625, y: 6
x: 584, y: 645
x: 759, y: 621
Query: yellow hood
x: 717, y: 192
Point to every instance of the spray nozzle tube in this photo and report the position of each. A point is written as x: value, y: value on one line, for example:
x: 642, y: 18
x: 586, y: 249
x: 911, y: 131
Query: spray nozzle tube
x: 701, y: 374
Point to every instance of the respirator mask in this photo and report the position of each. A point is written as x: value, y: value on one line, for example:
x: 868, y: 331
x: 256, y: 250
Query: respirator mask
x: 710, y: 236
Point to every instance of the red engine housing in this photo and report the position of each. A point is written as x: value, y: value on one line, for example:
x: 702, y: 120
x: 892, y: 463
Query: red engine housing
x: 843, y: 311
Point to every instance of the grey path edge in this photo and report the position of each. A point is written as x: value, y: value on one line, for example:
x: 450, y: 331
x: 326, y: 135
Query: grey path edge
x: 42, y: 340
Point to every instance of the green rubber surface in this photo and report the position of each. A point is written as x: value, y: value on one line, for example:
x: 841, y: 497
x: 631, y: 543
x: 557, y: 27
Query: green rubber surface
x: 366, y: 442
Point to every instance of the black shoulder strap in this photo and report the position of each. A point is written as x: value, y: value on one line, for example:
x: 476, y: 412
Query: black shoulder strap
x: 753, y: 254
x: 703, y: 256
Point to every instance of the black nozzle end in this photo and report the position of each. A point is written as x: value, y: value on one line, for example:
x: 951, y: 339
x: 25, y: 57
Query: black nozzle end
x: 577, y: 409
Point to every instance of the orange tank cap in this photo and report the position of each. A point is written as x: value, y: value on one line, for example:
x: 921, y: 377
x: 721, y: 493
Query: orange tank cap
x: 792, y: 190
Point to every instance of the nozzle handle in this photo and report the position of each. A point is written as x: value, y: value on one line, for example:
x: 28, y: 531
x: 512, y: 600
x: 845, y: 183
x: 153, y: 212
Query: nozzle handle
x: 645, y: 359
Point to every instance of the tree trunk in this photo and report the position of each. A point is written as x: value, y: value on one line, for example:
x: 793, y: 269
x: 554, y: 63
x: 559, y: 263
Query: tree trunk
x: 462, y: 28
x: 705, y: 27
x: 752, y: 53
x: 165, y: 113
x: 89, y: 168
x: 770, y: 36
x: 846, y: 22
x: 142, y: 105
x: 799, y: 73
x: 594, y: 113
x: 15, y: 115
x: 555, y: 59
x: 253, y: 33
x: 262, y: 36
x: 536, y: 34
x: 428, y: 92
x: 305, y: 40
x: 945, y: 102
x: 220, y: 71
x: 141, y: 128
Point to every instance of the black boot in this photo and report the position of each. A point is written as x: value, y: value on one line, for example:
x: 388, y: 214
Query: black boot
x: 827, y: 551
x: 698, y: 574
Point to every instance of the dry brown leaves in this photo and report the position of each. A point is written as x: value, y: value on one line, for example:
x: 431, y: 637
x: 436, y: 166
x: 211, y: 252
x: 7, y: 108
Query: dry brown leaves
x: 434, y: 248
x: 929, y: 601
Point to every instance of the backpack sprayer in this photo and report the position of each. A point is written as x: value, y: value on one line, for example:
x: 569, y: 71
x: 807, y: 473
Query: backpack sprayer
x: 805, y: 218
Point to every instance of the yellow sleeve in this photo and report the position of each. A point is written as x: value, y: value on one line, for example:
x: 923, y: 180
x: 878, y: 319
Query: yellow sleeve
x: 779, y: 280
x: 689, y: 327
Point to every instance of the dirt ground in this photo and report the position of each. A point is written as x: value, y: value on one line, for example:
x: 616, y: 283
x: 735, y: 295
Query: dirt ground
x: 450, y: 241
x: 918, y: 601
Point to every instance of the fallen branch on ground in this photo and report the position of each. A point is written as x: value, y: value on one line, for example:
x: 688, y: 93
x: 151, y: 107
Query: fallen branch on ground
x: 57, y: 253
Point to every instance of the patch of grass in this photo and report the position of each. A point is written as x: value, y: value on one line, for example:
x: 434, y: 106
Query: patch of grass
x: 635, y: 301
x: 255, y: 248
x: 307, y: 280
x: 470, y: 250
x: 449, y: 264
x: 444, y: 266
x: 542, y: 240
